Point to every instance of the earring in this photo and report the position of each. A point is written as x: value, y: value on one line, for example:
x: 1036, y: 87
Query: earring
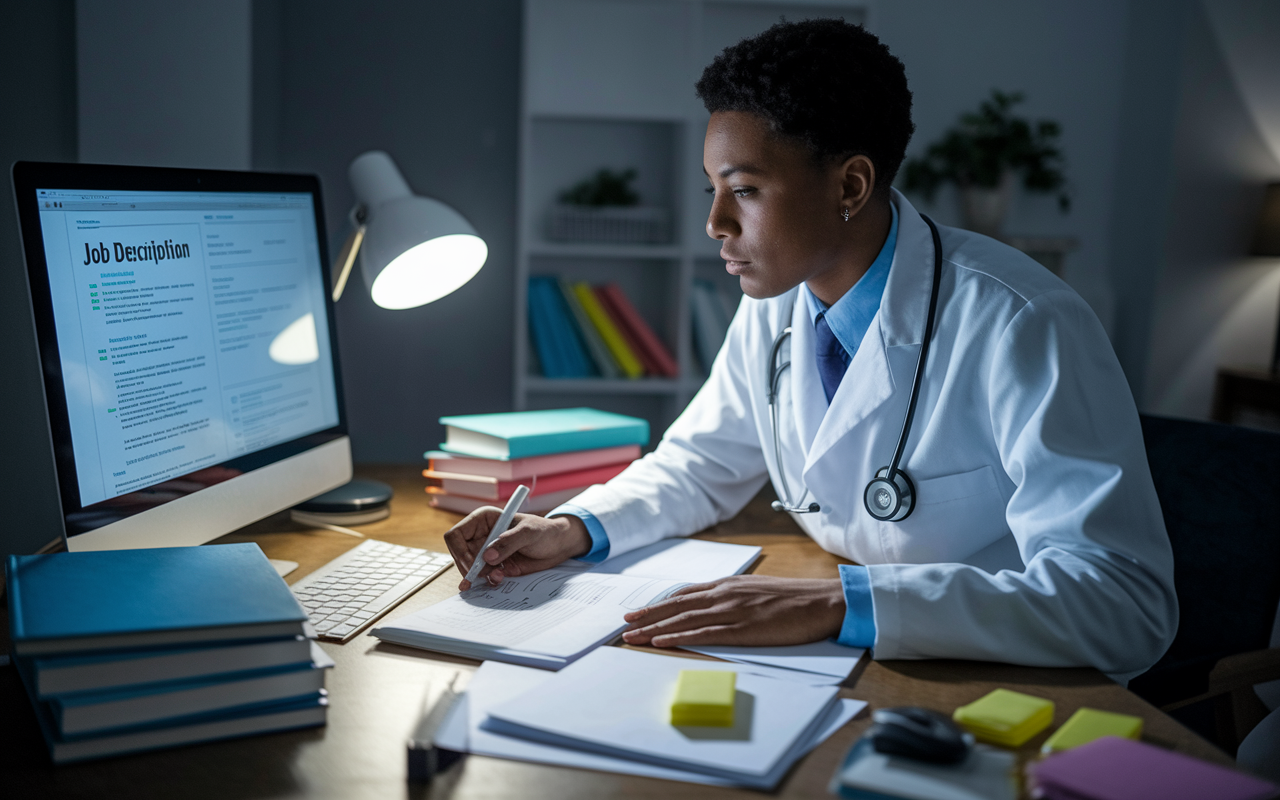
x: 844, y: 212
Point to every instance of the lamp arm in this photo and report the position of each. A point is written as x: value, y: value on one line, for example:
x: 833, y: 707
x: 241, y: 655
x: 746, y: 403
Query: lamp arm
x: 346, y: 258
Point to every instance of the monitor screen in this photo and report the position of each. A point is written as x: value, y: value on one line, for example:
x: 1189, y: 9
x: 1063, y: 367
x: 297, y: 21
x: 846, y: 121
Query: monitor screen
x: 192, y: 335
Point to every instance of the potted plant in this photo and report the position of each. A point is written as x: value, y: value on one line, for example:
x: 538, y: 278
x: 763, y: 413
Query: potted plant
x: 604, y: 208
x: 984, y: 154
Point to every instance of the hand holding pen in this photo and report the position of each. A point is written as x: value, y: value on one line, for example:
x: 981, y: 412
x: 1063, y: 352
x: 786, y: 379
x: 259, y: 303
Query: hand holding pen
x: 530, y: 544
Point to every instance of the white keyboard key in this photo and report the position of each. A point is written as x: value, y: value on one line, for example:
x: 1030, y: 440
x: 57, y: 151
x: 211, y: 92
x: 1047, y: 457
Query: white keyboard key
x: 347, y: 594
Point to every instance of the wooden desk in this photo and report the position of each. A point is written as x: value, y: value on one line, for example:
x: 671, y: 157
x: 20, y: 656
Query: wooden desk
x: 376, y: 689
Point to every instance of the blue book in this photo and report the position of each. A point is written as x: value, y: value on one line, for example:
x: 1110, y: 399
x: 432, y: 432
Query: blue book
x: 521, y: 434
x: 303, y: 712
x: 541, y: 325
x: 573, y: 361
x: 104, y: 710
x: 137, y: 599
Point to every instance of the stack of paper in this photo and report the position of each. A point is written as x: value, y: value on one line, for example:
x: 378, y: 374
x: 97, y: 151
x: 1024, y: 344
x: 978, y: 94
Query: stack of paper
x: 610, y: 711
x: 551, y: 618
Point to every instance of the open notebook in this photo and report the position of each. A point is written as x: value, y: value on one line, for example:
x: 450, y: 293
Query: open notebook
x: 551, y: 618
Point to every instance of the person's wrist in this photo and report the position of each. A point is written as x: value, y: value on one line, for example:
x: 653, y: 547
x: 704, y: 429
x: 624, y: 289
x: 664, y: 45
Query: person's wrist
x: 575, y: 534
x: 834, y: 607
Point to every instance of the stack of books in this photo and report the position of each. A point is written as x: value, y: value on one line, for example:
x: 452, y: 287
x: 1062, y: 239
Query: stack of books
x: 581, y: 331
x: 557, y: 454
x: 130, y: 650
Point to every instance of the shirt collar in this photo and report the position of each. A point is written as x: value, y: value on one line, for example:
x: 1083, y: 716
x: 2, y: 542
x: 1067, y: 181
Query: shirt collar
x: 851, y: 315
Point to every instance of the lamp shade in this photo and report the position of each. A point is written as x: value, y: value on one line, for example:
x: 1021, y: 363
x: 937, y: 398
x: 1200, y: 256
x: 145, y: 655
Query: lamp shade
x: 415, y: 249
x: 1266, y: 236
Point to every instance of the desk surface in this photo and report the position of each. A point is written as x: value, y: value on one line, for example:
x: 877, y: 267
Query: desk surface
x: 376, y: 690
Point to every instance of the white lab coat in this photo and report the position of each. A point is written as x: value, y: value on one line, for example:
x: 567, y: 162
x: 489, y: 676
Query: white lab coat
x: 1037, y: 537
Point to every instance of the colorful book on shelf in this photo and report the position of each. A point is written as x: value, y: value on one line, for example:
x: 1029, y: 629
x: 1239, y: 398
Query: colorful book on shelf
x: 116, y: 599
x: 520, y: 434
x: 618, y: 346
x: 518, y: 468
x: 650, y: 366
x: 483, y: 488
x: 658, y: 359
x: 542, y: 331
x: 709, y: 323
x: 534, y: 505
x: 605, y: 363
x: 560, y: 349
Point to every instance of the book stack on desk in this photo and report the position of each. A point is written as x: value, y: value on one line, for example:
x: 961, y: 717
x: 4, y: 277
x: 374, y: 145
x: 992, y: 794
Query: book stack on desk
x: 130, y: 650
x: 557, y: 454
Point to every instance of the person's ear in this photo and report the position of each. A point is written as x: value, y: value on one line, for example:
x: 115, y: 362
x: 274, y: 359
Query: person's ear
x: 858, y: 182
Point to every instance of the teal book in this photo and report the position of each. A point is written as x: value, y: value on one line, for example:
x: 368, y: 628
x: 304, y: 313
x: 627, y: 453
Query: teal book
x: 521, y: 434
x: 136, y: 599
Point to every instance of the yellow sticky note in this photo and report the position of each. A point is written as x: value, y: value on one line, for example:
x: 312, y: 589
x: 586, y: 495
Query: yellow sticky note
x: 704, y: 698
x: 1088, y: 724
x: 1005, y: 717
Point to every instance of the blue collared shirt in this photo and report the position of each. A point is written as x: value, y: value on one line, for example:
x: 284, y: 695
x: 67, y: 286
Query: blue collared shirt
x: 851, y: 315
x: 849, y: 318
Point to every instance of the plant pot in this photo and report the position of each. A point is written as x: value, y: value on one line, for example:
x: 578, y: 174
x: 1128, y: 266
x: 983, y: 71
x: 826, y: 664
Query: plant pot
x: 983, y: 208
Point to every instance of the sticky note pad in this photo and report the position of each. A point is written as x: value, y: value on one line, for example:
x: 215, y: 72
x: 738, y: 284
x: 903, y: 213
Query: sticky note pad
x: 1088, y: 724
x: 1005, y: 718
x: 705, y: 698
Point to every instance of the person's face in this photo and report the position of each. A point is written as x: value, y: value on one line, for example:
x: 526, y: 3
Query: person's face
x: 776, y: 213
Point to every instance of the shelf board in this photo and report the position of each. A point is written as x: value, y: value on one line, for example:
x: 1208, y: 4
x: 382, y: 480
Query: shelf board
x: 541, y: 385
x: 604, y: 250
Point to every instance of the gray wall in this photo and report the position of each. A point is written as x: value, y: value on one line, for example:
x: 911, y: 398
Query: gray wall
x: 1212, y: 305
x: 1067, y: 58
x: 164, y: 84
x: 38, y: 93
x: 436, y: 85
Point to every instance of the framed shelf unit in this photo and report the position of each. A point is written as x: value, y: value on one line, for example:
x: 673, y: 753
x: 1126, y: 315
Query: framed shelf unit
x: 608, y: 84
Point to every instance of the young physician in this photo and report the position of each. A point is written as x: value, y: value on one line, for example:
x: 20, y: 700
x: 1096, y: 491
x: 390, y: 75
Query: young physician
x: 1026, y: 528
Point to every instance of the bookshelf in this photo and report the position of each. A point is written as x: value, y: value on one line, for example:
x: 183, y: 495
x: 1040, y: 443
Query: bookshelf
x: 609, y: 84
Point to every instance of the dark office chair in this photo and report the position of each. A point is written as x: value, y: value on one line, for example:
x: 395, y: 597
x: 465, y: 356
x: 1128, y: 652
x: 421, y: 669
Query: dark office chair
x: 1219, y: 488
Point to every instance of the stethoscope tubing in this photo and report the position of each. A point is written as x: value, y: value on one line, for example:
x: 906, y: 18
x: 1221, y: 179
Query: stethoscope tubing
x: 774, y: 378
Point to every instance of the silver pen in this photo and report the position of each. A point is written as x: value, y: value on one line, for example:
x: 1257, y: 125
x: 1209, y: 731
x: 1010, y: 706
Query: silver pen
x: 499, y: 528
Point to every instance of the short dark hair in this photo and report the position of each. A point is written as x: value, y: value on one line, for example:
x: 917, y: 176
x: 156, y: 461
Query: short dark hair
x: 831, y: 85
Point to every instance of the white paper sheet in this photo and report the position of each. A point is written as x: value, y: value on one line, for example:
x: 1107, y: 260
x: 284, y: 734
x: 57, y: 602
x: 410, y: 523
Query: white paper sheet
x: 690, y: 560
x: 821, y: 658
x: 617, y: 702
x: 495, y: 684
x: 561, y: 613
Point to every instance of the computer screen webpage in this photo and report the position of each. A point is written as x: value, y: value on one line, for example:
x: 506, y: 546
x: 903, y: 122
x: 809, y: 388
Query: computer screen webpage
x: 191, y: 329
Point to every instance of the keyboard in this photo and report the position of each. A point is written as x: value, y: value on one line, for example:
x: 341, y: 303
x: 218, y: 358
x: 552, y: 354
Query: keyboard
x: 348, y: 594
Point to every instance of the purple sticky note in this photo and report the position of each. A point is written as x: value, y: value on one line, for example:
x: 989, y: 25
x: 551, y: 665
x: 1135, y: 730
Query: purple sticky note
x: 1112, y: 768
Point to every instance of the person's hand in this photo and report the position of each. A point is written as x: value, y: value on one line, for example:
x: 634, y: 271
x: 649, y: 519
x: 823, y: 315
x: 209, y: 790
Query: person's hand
x: 532, y: 543
x: 754, y: 610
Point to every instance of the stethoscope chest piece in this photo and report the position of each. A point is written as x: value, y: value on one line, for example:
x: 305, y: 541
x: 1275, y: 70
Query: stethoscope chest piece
x: 889, y: 500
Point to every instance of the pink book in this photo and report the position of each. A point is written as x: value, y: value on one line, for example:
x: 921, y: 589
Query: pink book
x: 655, y: 354
x: 532, y: 466
x: 484, y: 488
x: 534, y: 505
x: 1112, y: 768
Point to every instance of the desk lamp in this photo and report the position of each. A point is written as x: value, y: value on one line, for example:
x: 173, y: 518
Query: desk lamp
x: 1266, y: 242
x: 413, y: 250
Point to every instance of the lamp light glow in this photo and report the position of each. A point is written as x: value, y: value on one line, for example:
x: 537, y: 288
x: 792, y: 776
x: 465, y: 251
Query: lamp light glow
x: 413, y: 250
x: 429, y: 271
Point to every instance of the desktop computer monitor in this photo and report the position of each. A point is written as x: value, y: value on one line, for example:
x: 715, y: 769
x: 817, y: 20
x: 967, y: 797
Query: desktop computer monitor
x: 187, y: 344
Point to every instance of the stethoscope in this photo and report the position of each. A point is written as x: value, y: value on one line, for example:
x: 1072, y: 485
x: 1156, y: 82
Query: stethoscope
x: 890, y: 496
